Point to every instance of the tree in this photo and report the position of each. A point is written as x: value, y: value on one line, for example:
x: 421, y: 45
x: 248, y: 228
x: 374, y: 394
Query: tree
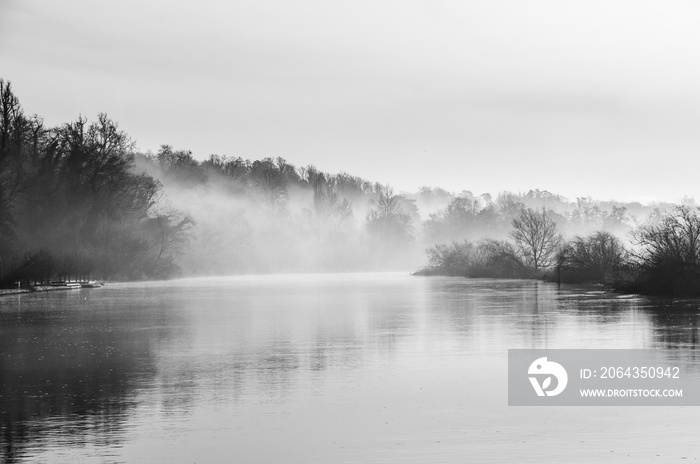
x: 270, y: 180
x: 535, y: 234
x: 168, y: 235
x: 674, y: 238
x: 14, y: 129
x: 388, y: 219
x: 330, y: 210
x: 668, y: 258
x: 180, y: 165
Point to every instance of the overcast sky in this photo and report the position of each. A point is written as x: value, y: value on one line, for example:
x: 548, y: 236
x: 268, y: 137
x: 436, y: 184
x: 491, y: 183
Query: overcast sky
x: 582, y: 98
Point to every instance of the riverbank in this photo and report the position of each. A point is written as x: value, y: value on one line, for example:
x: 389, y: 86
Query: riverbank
x: 549, y: 277
x: 47, y: 288
x: 53, y: 288
x: 13, y: 291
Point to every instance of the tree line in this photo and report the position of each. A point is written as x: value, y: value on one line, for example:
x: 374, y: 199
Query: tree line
x: 662, y: 256
x: 80, y: 200
x: 72, y: 206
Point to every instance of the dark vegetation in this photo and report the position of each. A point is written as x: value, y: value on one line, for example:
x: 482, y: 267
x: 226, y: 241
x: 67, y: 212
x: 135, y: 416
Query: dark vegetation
x: 79, y: 201
x: 72, y: 205
x: 668, y: 258
x: 663, y: 257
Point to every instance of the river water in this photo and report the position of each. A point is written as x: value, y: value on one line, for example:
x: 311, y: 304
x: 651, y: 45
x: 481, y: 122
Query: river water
x: 340, y: 368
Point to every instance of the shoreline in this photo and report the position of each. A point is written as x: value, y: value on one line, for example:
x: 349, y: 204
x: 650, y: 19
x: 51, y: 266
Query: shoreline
x: 37, y: 289
x: 13, y: 291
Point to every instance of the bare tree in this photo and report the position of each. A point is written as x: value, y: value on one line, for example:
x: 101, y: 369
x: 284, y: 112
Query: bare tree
x: 14, y: 128
x: 330, y: 210
x: 386, y: 203
x: 270, y: 179
x: 388, y: 220
x: 673, y: 239
x: 535, y: 234
x: 668, y: 253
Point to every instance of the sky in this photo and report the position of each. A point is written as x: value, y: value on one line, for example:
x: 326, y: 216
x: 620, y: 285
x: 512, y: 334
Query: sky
x: 581, y: 98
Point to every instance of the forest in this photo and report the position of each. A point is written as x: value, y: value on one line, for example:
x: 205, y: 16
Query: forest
x: 80, y: 200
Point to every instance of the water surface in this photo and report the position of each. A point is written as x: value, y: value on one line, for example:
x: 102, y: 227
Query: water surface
x: 322, y: 368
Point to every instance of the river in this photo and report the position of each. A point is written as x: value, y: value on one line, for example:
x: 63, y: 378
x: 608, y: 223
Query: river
x: 333, y: 368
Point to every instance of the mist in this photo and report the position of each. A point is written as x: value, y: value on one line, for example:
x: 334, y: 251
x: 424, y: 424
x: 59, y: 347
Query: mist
x: 270, y: 216
x: 80, y: 200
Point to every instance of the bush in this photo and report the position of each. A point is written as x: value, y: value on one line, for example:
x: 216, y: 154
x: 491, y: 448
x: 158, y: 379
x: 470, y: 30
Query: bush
x: 498, y: 258
x: 452, y: 260
x: 597, y: 258
x: 489, y: 258
x: 668, y: 260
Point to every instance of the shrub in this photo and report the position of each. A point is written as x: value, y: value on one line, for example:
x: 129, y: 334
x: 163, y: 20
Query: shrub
x: 599, y: 257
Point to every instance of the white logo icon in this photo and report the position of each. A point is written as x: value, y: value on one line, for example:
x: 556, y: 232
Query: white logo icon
x: 541, y: 367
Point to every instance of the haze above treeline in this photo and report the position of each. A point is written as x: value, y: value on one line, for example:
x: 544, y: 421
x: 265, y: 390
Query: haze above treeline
x: 81, y: 200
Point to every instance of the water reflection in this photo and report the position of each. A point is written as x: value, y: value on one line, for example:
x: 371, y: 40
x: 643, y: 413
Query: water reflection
x: 70, y: 368
x: 116, y: 368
